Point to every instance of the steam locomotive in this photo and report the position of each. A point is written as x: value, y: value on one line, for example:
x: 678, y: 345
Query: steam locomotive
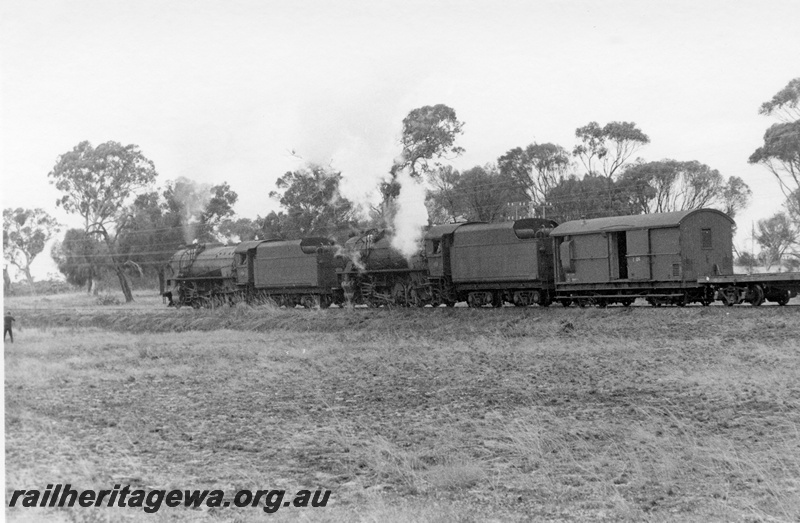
x: 673, y: 258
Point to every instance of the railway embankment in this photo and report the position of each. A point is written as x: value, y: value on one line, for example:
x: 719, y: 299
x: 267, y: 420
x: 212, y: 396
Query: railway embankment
x: 716, y: 324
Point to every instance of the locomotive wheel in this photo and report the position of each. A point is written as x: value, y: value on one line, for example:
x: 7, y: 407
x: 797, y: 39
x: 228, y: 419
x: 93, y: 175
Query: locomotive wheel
x: 450, y: 304
x: 627, y: 302
x: 756, y: 295
x: 601, y: 303
x: 565, y: 302
x: 783, y: 299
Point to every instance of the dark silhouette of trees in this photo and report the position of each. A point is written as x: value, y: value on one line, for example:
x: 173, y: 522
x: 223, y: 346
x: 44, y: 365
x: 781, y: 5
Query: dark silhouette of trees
x: 82, y: 258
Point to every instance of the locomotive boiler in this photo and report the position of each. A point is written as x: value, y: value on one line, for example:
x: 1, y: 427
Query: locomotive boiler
x: 201, y: 272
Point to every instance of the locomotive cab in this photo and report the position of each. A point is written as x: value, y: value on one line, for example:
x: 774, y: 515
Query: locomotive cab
x: 245, y: 255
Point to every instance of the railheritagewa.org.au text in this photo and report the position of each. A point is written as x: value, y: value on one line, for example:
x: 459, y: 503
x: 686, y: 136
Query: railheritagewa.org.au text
x: 150, y: 501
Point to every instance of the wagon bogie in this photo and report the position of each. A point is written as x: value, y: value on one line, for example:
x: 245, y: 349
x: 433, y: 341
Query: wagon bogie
x: 754, y: 289
x: 524, y: 298
x: 780, y: 297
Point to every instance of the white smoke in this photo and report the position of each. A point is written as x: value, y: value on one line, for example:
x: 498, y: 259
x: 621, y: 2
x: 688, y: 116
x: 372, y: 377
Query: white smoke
x: 193, y: 197
x: 411, y: 215
x: 353, y: 255
x: 364, y: 164
x: 359, y: 136
x: 356, y: 132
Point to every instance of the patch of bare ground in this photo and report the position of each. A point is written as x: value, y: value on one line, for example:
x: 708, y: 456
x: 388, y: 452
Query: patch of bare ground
x: 416, y: 415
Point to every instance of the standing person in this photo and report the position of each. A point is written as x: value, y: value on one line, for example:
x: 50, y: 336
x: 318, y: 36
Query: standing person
x: 8, y: 319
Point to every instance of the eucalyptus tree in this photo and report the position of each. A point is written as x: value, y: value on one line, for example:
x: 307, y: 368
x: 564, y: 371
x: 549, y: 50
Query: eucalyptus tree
x: 25, y: 233
x: 99, y: 184
x: 538, y: 168
x: 780, y: 153
x: 605, y: 150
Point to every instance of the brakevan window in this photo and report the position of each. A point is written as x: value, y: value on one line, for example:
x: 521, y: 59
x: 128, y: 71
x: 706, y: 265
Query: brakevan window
x: 706, y: 235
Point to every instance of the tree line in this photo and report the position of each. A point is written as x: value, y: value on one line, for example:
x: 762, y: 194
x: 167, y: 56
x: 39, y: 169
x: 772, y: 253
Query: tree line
x: 131, y: 228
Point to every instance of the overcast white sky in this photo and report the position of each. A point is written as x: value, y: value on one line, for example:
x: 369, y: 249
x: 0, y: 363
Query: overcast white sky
x: 223, y: 91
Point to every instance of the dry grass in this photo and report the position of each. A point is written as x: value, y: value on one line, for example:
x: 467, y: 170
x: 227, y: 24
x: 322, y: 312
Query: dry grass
x: 448, y: 415
x: 81, y: 300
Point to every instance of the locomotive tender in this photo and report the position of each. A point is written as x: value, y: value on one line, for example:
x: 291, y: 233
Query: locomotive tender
x: 670, y: 258
x: 492, y: 263
x: 288, y: 273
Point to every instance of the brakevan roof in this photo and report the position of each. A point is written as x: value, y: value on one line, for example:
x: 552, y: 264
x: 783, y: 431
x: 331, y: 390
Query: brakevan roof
x: 624, y: 223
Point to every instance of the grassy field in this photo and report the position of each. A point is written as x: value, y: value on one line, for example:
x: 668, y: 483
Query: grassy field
x: 614, y: 414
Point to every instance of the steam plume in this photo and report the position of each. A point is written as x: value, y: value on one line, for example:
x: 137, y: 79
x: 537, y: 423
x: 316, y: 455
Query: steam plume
x: 194, y: 198
x: 411, y: 215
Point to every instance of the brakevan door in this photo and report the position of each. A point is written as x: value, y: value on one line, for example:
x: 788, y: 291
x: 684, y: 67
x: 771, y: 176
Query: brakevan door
x: 638, y: 244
